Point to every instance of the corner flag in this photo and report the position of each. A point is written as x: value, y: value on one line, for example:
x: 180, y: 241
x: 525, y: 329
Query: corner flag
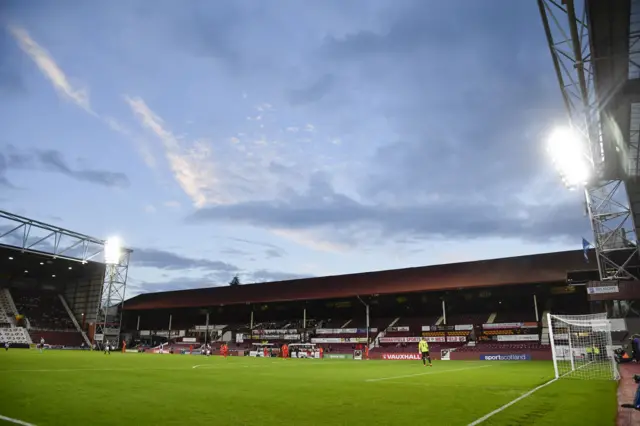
x: 585, y: 248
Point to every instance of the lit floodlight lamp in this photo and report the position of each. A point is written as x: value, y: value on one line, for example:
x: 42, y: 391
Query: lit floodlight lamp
x: 112, y: 251
x: 567, y: 151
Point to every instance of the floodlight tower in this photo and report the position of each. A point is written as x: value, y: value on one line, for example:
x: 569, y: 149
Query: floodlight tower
x: 109, y: 316
x: 584, y: 153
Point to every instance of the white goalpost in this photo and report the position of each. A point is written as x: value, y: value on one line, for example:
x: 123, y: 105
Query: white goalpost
x: 582, y: 347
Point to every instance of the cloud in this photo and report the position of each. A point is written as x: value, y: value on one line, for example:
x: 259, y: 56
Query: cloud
x: 209, y: 280
x: 446, y: 152
x: 183, y: 283
x: 229, y: 251
x: 191, y: 166
x: 347, y: 219
x: 265, y: 275
x: 50, y: 69
x: 79, y: 96
x: 140, y: 143
x: 160, y: 259
x: 54, y: 162
x: 271, y: 251
x: 313, y: 93
x: 209, y: 273
x: 4, y: 181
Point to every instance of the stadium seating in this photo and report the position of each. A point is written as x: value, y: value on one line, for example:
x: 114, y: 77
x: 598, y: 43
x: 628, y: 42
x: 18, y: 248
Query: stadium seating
x: 4, y: 317
x: 455, y: 318
x: 503, y: 317
x: 14, y: 335
x: 43, y: 308
x: 415, y: 325
x: 505, y: 332
x: 458, y: 333
x: 7, y: 313
x: 379, y: 323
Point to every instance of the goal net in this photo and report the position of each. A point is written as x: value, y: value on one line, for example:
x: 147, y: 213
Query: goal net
x: 581, y: 346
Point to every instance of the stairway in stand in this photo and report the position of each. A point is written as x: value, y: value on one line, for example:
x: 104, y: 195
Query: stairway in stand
x: 74, y: 320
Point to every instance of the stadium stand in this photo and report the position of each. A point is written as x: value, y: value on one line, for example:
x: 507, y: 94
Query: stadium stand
x: 404, y: 306
x: 43, y: 308
x: 47, y: 317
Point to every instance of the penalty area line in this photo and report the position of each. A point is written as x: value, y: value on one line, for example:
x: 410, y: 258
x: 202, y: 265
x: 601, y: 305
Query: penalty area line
x: 509, y: 404
x: 427, y: 373
x: 15, y: 421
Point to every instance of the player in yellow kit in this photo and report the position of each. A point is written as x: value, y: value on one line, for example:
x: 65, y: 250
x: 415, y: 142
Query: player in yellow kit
x: 423, y: 349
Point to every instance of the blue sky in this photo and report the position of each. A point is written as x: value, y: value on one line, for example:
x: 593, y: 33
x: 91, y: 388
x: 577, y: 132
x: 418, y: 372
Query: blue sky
x: 284, y: 138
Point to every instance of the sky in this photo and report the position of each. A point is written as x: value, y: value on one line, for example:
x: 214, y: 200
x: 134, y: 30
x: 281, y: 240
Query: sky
x: 284, y: 138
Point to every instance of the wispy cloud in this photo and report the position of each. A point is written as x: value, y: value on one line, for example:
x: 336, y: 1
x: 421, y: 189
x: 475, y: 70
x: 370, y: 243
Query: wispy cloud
x: 140, y: 143
x: 191, y: 165
x: 53, y: 161
x: 79, y: 96
x: 50, y: 69
x: 272, y: 250
x: 161, y: 259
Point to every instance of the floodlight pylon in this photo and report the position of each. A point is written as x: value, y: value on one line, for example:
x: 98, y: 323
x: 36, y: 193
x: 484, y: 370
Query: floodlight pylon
x: 109, y: 313
x: 607, y: 201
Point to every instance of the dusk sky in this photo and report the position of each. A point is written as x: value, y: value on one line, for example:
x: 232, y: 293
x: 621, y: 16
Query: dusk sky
x: 284, y: 138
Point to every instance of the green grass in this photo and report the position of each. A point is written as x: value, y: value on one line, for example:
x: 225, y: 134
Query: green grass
x: 89, y: 388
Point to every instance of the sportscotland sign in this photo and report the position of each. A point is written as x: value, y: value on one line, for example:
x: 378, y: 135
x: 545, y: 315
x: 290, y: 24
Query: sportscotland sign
x: 507, y: 357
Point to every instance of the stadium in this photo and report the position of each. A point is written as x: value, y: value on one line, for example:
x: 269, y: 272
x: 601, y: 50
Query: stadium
x: 542, y: 339
x: 486, y: 323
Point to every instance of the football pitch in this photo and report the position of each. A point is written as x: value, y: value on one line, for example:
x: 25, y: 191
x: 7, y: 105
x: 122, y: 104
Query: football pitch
x: 90, y: 388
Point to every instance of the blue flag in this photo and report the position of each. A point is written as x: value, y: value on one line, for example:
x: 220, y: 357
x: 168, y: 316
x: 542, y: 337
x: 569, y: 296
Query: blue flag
x: 585, y: 248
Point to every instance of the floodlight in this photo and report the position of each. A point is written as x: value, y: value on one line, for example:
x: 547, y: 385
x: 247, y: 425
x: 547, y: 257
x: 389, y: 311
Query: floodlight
x: 10, y: 258
x: 53, y: 276
x: 112, y: 251
x: 567, y: 150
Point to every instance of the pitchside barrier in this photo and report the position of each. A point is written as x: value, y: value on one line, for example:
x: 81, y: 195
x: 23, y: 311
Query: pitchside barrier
x: 450, y: 355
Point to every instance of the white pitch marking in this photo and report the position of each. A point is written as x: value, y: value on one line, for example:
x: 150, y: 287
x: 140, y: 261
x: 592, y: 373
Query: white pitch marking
x: 15, y: 421
x: 521, y: 397
x: 67, y: 370
x: 426, y: 373
x: 509, y: 404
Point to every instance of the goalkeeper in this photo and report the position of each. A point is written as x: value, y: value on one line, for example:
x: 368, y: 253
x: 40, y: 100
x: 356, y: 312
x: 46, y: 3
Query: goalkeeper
x: 423, y: 349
